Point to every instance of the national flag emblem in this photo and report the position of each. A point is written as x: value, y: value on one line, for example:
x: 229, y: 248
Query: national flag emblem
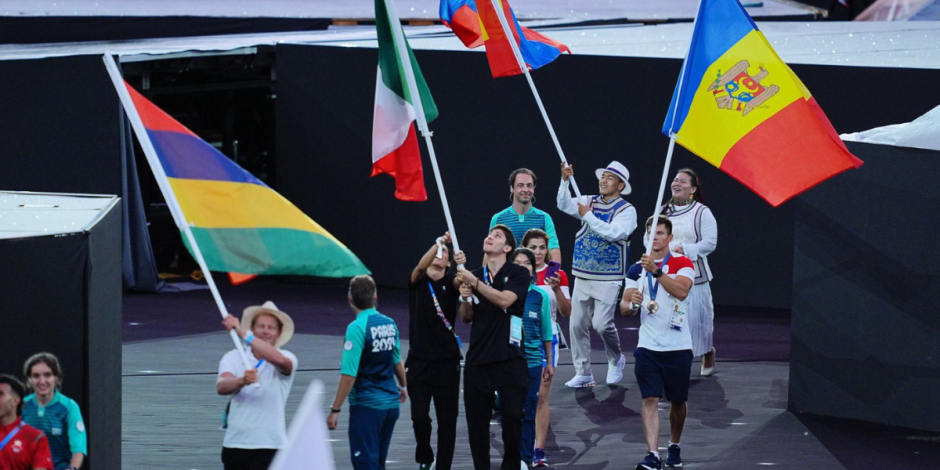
x: 764, y: 129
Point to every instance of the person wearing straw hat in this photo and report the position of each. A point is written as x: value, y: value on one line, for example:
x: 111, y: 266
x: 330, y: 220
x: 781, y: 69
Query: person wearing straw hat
x: 256, y: 427
x: 599, y: 266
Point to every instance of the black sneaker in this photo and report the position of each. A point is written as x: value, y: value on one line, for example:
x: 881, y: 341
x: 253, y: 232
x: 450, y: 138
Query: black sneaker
x: 651, y: 462
x: 673, y: 460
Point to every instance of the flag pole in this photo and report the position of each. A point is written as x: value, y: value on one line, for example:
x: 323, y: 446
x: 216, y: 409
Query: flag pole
x: 172, y: 203
x: 405, y: 59
x: 498, y: 6
x: 648, y: 238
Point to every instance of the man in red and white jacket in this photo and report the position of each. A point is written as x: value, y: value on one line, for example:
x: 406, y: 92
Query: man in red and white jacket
x: 22, y: 447
x: 657, y: 287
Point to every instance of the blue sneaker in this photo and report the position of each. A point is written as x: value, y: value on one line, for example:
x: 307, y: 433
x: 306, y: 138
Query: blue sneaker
x: 538, y: 459
x: 673, y: 460
x: 651, y: 462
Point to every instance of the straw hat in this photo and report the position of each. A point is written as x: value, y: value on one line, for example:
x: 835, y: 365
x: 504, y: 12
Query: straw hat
x: 287, y: 330
x: 618, y: 169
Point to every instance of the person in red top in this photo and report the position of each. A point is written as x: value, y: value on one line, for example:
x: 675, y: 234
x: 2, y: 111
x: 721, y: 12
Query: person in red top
x: 22, y: 447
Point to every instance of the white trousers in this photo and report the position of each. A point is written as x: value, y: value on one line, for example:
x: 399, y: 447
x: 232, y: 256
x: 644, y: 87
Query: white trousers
x: 593, y: 304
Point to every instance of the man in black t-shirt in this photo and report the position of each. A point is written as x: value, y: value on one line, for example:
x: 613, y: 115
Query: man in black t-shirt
x: 495, y: 361
x: 433, y: 364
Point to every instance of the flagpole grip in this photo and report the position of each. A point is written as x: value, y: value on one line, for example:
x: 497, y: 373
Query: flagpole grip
x: 172, y: 203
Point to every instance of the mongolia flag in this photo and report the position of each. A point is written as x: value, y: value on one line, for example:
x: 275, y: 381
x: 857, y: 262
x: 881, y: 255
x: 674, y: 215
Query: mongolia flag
x: 742, y: 109
x: 394, y: 142
x: 240, y: 224
x: 475, y: 25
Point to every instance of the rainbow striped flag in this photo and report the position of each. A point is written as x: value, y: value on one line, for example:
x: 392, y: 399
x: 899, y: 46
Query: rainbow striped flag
x: 478, y: 25
x: 240, y: 224
x: 742, y: 109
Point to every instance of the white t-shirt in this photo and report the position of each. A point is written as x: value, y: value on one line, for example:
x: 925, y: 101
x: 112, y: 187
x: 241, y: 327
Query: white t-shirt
x: 256, y: 418
x: 655, y: 331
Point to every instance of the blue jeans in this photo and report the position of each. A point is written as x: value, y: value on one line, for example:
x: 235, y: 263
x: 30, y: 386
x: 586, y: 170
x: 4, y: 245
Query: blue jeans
x: 370, y: 433
x: 528, y: 414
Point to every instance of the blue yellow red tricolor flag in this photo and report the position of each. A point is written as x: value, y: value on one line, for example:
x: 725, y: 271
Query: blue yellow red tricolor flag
x: 740, y: 107
x: 240, y: 224
x: 475, y: 23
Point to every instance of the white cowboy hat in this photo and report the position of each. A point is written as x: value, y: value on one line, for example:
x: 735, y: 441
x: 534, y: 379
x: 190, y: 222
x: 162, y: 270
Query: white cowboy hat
x: 618, y: 169
x: 287, y: 325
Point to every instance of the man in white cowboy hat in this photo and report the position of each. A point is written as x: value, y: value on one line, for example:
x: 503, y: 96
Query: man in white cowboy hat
x: 599, y: 266
x: 256, y: 424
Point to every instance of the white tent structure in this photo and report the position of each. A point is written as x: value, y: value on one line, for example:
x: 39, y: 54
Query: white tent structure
x: 923, y: 133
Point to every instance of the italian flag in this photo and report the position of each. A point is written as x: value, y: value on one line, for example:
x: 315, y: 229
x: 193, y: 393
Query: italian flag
x: 394, y: 142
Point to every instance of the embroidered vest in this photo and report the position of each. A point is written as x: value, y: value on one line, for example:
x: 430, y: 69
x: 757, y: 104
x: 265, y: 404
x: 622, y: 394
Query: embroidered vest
x: 595, y: 257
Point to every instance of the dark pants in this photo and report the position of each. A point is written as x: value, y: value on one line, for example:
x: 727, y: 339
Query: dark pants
x: 247, y: 459
x: 370, y: 433
x: 528, y: 414
x: 510, y: 379
x: 440, y: 381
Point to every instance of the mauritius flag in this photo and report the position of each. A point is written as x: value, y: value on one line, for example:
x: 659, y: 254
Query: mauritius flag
x: 394, y: 142
x: 240, y: 224
x: 475, y: 23
x: 742, y: 109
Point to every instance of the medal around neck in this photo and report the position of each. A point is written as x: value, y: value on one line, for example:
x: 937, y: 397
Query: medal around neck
x: 652, y: 307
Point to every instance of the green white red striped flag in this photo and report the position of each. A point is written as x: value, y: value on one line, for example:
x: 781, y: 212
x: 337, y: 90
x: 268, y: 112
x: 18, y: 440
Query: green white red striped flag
x: 394, y: 141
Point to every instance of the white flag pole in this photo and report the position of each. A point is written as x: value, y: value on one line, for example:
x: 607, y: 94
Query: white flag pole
x: 168, y: 194
x: 405, y: 59
x: 672, y: 141
x: 498, y: 6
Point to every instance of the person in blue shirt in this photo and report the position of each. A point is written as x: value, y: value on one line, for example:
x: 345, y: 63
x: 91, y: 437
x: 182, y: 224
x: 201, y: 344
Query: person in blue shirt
x: 53, y: 413
x: 537, y: 346
x: 521, y: 215
x: 371, y: 363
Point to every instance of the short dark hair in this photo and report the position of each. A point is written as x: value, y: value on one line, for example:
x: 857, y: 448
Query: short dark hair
x: 536, y: 233
x: 510, y: 238
x: 362, y: 292
x: 18, y: 388
x: 512, y: 176
x: 663, y: 220
x: 48, y: 359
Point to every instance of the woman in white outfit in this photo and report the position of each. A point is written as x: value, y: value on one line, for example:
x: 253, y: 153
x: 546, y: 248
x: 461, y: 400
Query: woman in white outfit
x: 695, y: 235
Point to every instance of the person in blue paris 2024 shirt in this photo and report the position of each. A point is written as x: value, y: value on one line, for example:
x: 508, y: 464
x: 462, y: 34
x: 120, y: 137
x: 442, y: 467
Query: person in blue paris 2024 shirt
x: 371, y: 362
x: 53, y: 413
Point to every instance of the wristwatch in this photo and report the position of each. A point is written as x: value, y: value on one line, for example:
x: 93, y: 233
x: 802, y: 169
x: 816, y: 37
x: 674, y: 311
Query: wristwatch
x: 659, y: 272
x: 335, y: 410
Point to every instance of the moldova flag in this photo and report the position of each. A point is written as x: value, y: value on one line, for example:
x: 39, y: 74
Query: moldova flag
x: 475, y: 26
x: 394, y: 141
x: 240, y: 224
x: 742, y: 109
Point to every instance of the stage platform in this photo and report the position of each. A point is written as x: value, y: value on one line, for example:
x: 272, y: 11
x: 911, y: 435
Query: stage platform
x: 737, y: 418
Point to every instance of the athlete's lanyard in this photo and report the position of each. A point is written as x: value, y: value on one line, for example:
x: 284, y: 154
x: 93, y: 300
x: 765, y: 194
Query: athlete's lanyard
x: 10, y: 436
x: 437, y: 306
x: 486, y: 277
x: 649, y: 278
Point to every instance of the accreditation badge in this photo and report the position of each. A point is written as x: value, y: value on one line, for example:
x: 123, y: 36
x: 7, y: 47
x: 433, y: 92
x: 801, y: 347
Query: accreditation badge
x: 678, y: 315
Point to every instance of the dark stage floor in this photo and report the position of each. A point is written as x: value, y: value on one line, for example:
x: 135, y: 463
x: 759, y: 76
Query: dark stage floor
x: 737, y: 418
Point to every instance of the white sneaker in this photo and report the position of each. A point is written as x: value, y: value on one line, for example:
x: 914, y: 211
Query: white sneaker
x: 615, y: 371
x: 523, y: 466
x: 581, y: 381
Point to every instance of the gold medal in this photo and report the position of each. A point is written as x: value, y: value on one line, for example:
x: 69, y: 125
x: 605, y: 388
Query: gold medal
x: 652, y: 307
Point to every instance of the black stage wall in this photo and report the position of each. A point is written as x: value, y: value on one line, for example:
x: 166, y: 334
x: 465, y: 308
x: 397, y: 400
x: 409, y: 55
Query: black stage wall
x: 603, y: 108
x: 60, y: 126
x: 62, y: 294
x: 865, y: 329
